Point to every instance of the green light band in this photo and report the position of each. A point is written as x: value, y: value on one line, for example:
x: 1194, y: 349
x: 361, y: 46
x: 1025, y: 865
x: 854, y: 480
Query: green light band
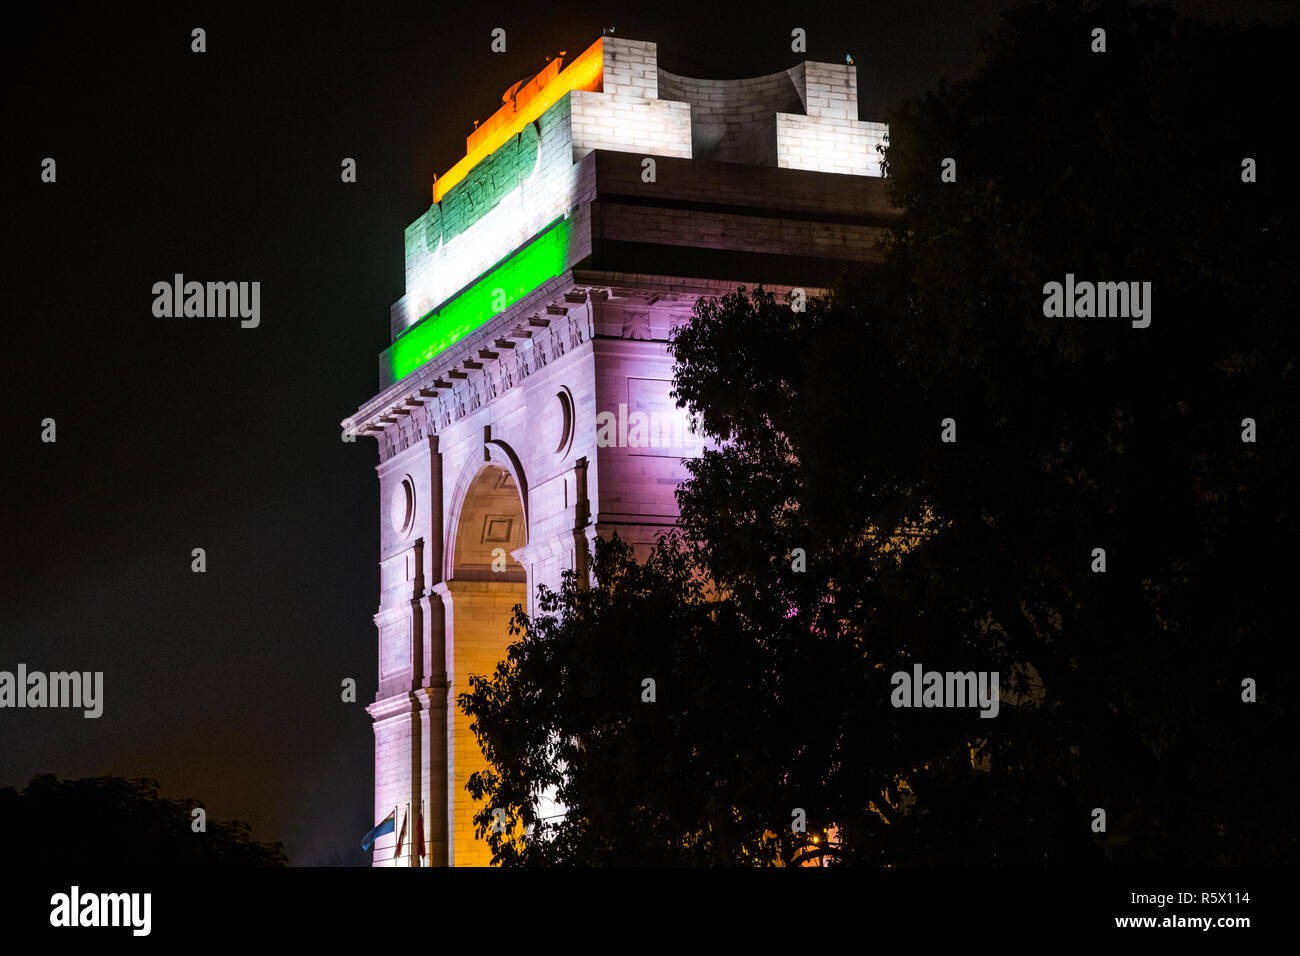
x: 516, y: 276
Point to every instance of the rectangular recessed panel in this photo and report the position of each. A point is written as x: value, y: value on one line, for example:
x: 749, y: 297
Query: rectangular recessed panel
x: 394, y: 648
x: 656, y: 426
x: 496, y: 529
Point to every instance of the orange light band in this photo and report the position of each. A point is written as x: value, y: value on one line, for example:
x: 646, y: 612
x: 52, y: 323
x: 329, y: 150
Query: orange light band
x: 531, y: 100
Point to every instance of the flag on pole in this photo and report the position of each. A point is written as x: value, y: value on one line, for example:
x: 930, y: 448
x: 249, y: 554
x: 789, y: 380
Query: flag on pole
x: 419, y: 825
x: 401, y: 834
x: 387, y: 825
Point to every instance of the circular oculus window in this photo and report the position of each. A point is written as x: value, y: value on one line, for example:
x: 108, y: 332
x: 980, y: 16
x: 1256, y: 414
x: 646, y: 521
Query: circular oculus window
x: 402, y: 506
x: 565, y: 420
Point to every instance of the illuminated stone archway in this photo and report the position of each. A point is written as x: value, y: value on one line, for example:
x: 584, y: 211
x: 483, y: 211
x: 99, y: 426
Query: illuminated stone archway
x: 525, y: 401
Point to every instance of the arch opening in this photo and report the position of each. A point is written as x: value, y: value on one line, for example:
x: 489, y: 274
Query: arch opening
x: 489, y: 528
x: 485, y: 583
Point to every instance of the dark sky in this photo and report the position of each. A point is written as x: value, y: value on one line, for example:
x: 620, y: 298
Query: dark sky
x: 182, y: 433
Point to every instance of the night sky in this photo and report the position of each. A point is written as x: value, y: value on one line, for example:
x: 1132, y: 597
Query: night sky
x: 175, y: 434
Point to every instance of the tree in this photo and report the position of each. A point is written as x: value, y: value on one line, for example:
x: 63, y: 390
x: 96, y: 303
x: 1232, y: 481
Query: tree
x: 1071, y: 435
x: 621, y: 701
x: 1122, y: 688
x: 116, y: 822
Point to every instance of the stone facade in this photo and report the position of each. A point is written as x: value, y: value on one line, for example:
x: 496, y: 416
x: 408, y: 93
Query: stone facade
x: 541, y: 289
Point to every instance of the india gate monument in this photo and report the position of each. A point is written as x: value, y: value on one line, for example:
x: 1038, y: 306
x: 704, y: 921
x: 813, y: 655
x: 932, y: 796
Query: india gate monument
x: 524, y: 404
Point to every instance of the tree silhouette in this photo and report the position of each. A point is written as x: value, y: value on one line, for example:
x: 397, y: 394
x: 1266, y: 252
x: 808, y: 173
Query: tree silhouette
x: 1123, y: 688
x: 117, y: 822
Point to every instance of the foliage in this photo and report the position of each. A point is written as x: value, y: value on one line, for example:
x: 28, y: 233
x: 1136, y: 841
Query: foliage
x: 1123, y: 689
x: 117, y: 822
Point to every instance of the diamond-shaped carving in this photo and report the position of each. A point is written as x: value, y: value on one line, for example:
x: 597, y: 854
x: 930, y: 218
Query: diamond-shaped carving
x: 496, y: 529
